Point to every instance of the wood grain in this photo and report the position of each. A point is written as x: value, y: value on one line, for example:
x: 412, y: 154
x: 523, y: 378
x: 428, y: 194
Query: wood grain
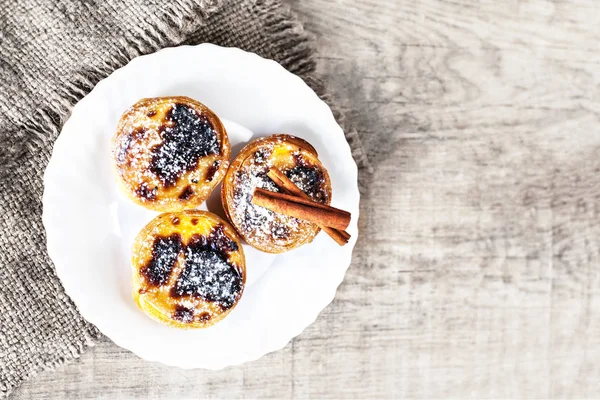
x: 477, y: 272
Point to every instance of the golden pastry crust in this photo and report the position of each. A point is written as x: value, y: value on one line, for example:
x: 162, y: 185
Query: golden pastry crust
x: 261, y: 228
x: 170, y: 152
x: 189, y: 269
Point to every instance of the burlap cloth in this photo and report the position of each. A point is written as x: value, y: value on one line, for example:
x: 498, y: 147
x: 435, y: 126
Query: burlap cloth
x: 51, y: 54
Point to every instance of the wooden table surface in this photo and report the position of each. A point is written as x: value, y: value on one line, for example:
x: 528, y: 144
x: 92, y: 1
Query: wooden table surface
x: 477, y: 273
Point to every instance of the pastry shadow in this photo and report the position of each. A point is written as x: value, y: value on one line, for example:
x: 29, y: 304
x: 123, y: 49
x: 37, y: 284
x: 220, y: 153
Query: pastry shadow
x: 213, y: 203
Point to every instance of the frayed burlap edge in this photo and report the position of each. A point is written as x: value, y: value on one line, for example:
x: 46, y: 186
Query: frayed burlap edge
x: 287, y: 34
x: 44, y: 125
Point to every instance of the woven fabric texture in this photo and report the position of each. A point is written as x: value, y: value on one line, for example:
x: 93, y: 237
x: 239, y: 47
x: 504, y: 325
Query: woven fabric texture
x: 52, y: 53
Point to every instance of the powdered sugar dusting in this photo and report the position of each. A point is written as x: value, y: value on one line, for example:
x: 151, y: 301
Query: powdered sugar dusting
x: 208, y: 275
x: 309, y: 180
x: 259, y: 223
x: 164, y: 255
x: 263, y: 224
x: 188, y: 137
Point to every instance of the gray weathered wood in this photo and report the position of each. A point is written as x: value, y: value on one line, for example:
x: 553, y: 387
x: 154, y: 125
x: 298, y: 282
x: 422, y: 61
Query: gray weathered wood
x: 478, y: 270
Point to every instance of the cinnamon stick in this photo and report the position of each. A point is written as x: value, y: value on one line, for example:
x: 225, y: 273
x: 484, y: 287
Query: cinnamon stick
x: 297, y: 207
x: 286, y: 185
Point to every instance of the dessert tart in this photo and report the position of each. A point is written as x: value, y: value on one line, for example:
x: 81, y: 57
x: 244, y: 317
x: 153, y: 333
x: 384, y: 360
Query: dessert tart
x: 189, y: 269
x: 170, y: 152
x: 262, y: 228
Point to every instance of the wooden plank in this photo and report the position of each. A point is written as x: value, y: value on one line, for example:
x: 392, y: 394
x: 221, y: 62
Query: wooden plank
x: 477, y: 272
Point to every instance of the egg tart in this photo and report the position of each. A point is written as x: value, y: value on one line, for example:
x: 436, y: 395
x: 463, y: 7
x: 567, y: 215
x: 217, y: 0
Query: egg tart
x: 189, y: 269
x: 170, y: 152
x: 260, y: 227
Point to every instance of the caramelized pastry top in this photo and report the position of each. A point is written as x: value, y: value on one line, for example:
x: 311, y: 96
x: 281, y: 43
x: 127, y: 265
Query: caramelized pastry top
x: 170, y: 152
x: 189, y: 269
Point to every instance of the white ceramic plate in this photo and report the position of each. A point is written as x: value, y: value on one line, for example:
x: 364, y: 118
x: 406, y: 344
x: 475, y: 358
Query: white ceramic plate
x: 91, y: 225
